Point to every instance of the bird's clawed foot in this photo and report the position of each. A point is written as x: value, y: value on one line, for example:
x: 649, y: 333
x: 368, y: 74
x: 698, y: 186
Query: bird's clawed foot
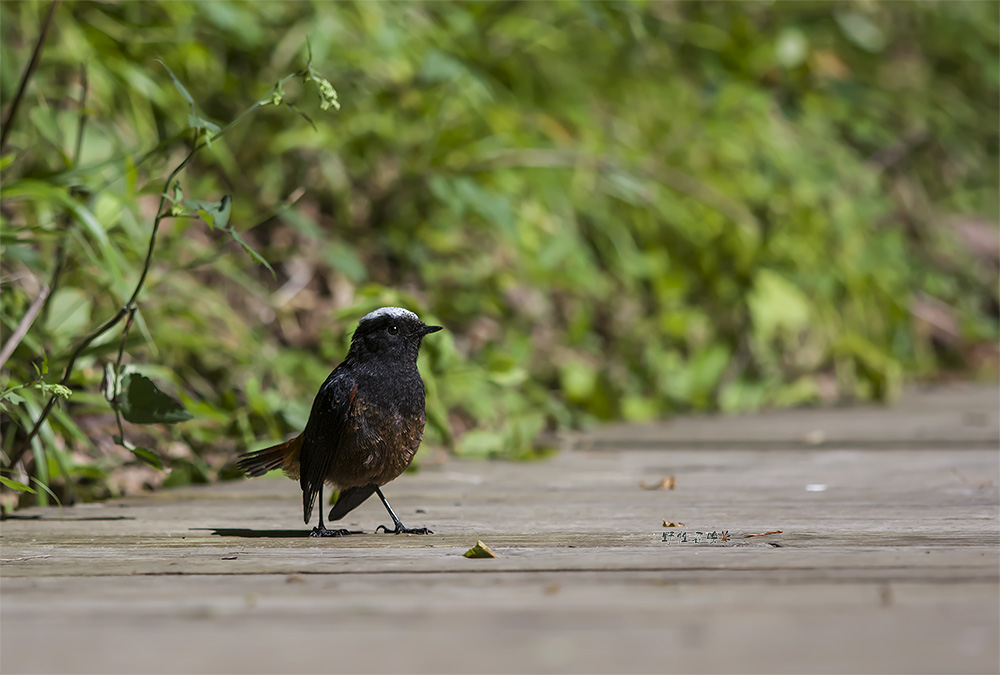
x: 323, y: 532
x: 402, y: 530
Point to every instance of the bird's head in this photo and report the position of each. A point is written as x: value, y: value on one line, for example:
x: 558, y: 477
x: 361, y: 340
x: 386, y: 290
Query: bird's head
x: 390, y: 333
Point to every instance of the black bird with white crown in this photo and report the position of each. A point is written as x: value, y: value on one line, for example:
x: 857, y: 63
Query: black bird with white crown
x: 366, y: 423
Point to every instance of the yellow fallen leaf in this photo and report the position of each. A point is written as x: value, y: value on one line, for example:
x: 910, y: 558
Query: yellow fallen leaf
x: 672, y: 524
x: 480, y: 550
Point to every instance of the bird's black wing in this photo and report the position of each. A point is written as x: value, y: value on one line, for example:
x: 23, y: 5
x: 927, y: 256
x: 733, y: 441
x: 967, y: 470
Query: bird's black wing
x: 323, y: 432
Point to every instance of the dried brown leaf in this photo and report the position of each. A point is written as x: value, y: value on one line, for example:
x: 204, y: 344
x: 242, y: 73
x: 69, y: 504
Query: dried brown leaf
x: 667, y: 483
x: 967, y: 481
x: 761, y: 534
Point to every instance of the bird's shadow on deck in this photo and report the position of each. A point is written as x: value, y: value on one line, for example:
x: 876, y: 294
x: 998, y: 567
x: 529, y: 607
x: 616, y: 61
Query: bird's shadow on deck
x: 254, y: 534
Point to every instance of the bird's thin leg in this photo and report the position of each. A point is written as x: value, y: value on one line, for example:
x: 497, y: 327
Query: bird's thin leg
x: 322, y: 531
x: 399, y: 526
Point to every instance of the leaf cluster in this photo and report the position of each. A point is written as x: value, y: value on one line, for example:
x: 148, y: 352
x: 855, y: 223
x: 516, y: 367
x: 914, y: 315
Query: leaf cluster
x: 619, y: 210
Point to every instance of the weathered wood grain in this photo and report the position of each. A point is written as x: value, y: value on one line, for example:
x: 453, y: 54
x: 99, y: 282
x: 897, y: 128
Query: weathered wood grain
x: 893, y: 565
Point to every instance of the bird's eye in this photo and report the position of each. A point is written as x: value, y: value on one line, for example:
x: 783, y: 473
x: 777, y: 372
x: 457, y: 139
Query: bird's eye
x: 393, y: 330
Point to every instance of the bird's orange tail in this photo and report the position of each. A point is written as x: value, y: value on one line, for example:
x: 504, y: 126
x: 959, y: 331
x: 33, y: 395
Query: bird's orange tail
x: 282, y: 456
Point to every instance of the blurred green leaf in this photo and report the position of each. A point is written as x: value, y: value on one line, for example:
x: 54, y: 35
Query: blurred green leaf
x: 16, y: 485
x: 177, y: 83
x: 215, y: 214
x: 792, y: 48
x: 148, y: 456
x: 143, y: 403
x: 196, y: 122
x: 640, y: 409
x: 13, y: 397
x: 69, y: 312
x: 578, y: 379
x: 861, y: 31
x: 480, y: 443
x: 777, y: 305
x: 253, y: 253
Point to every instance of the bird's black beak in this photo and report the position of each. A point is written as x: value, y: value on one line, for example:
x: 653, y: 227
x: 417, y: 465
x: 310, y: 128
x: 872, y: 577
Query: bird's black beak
x: 427, y: 330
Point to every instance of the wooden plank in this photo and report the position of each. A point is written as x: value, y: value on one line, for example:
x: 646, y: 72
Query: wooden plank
x: 960, y: 414
x: 886, y: 561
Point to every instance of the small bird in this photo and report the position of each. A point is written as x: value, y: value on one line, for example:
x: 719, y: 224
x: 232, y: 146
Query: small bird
x: 366, y: 423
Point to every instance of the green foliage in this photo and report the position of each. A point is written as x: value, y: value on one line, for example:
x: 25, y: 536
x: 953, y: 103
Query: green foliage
x: 16, y: 485
x: 616, y: 209
x: 143, y: 403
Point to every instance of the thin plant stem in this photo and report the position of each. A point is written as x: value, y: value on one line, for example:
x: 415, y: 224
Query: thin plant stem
x: 22, y: 328
x: 118, y: 370
x: 129, y: 307
x: 28, y: 72
x: 61, y: 248
x: 82, y: 122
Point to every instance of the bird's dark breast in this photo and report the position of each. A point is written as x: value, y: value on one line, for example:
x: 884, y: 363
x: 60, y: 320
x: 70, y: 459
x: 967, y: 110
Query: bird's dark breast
x: 382, y: 434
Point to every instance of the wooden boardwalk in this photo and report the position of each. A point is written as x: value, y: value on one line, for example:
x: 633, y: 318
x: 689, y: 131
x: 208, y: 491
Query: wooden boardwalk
x: 888, y: 560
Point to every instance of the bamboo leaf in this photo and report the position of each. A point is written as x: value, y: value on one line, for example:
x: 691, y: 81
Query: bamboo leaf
x: 16, y: 485
x: 149, y: 457
x: 177, y: 83
x: 253, y: 254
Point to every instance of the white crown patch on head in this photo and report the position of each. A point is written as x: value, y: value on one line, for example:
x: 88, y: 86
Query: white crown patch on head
x: 395, y: 312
